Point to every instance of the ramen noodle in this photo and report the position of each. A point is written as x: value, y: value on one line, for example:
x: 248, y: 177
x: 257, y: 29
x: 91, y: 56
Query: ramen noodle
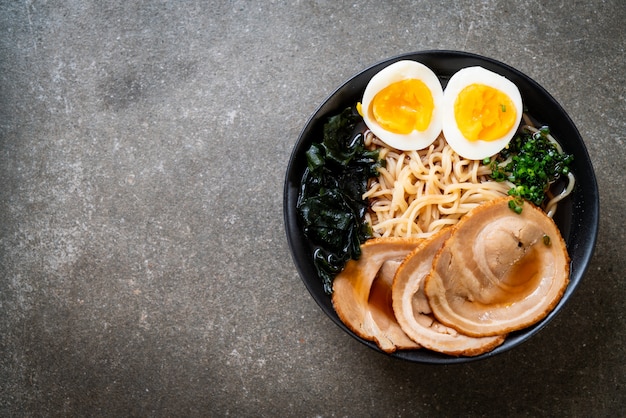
x: 420, y: 192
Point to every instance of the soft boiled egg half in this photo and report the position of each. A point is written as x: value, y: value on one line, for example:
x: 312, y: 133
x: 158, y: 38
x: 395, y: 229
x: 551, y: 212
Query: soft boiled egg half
x: 481, y: 112
x: 402, y: 105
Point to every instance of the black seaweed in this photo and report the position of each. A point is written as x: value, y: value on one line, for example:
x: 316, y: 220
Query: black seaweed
x: 330, y: 203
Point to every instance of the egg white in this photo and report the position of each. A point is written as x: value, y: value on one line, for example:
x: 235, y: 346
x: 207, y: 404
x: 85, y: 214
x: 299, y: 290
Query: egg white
x: 395, y: 72
x: 477, y: 150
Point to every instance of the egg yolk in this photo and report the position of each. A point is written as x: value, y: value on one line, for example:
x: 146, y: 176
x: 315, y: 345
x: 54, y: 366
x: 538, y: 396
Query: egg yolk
x: 403, y: 106
x: 483, y: 112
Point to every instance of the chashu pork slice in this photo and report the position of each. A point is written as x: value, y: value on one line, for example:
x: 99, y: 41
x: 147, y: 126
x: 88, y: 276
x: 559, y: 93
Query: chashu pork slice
x: 413, y: 311
x: 499, y: 271
x: 362, y: 292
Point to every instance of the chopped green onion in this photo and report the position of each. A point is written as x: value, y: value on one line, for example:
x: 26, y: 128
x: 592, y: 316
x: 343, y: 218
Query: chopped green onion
x: 533, y: 163
x: 546, y: 240
x: 515, y: 206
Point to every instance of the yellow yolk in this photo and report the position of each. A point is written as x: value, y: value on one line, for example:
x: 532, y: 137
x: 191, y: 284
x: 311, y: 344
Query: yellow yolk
x: 483, y: 112
x: 403, y: 106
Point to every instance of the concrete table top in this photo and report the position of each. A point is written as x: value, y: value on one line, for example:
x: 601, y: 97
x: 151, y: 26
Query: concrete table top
x: 144, y: 268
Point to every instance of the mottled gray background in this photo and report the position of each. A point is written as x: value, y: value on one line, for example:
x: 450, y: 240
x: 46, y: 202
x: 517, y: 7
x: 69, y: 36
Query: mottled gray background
x: 144, y: 269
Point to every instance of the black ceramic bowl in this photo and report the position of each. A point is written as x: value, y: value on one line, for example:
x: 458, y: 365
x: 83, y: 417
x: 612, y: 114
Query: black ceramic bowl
x: 577, y: 216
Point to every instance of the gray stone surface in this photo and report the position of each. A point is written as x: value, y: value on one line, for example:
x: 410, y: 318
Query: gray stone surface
x: 144, y: 269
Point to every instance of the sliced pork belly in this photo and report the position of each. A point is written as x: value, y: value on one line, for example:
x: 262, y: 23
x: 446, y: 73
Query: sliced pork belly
x: 413, y: 311
x: 362, y: 293
x: 499, y: 271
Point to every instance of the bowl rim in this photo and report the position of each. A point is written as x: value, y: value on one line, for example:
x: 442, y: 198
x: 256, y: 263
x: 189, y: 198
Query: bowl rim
x: 584, y: 202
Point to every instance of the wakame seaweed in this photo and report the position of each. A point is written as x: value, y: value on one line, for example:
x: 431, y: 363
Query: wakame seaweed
x: 330, y: 203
